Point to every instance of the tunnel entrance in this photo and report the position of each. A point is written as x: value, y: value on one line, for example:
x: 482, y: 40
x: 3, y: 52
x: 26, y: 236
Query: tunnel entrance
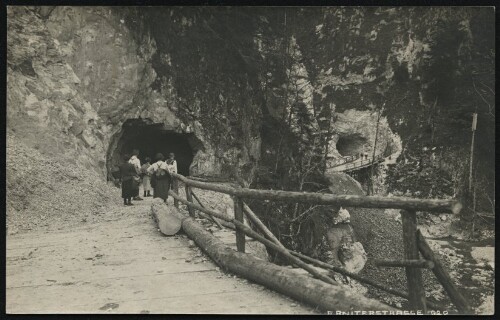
x: 351, y: 145
x: 150, y: 138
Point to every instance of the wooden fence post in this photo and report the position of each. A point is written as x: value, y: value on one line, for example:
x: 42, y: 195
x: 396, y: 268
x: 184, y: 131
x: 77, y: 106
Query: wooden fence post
x: 238, y: 216
x: 175, y: 185
x: 189, y: 198
x: 413, y: 275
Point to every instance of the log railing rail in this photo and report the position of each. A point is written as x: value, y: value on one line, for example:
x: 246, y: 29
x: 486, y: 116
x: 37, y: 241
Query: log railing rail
x: 355, y: 162
x: 414, y: 242
x: 201, y: 204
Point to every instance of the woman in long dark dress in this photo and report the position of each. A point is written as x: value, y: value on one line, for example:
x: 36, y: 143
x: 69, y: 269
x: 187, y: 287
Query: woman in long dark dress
x: 127, y: 172
x: 161, y: 176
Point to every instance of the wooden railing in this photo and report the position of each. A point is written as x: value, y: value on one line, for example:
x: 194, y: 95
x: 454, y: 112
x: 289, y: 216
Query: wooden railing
x: 346, y: 159
x: 414, y: 243
x: 354, y: 162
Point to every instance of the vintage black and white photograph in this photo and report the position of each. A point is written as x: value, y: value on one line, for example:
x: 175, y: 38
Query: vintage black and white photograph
x: 324, y: 160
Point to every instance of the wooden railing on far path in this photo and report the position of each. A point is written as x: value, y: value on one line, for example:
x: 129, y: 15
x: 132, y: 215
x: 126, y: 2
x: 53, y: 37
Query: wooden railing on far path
x: 356, y: 162
x: 413, y: 241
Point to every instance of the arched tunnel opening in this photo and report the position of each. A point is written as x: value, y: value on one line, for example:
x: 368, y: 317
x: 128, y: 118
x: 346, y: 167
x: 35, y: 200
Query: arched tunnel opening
x: 351, y: 145
x: 152, y: 138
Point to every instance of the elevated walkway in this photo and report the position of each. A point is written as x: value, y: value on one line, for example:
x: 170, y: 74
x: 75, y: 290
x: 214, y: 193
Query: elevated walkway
x: 353, y: 163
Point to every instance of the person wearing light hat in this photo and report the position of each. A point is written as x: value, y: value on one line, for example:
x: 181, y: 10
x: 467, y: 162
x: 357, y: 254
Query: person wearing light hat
x: 127, y: 173
x: 134, y: 160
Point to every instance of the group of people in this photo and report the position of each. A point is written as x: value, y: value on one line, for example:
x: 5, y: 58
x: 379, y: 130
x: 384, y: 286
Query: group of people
x: 156, y: 176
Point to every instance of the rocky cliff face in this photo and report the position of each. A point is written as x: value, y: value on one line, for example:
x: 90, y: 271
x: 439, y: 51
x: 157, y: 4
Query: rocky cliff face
x: 77, y: 74
x: 62, y: 89
x: 320, y: 71
x: 70, y: 71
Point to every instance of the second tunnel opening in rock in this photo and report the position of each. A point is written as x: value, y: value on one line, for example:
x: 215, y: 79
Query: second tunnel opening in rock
x: 152, y: 138
x: 351, y: 145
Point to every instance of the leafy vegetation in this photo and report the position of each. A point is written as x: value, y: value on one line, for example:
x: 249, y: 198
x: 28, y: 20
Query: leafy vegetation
x: 281, y: 74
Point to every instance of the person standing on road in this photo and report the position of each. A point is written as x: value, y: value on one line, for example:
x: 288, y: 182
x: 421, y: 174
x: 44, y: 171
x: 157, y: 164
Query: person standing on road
x: 161, y: 177
x: 127, y: 172
x: 146, y: 177
x: 172, y: 167
x: 137, y: 164
x: 172, y: 163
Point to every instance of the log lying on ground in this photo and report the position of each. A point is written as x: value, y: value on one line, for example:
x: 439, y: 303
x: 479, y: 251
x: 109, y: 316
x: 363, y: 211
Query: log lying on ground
x: 249, y: 232
x: 166, y: 217
x: 327, y: 297
x: 327, y: 266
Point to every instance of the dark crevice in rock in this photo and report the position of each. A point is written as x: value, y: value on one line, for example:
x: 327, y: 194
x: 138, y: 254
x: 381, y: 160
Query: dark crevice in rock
x: 26, y: 68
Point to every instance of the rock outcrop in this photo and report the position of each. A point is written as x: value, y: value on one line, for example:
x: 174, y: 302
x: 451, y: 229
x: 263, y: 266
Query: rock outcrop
x: 353, y: 256
x: 355, y: 134
x: 45, y: 105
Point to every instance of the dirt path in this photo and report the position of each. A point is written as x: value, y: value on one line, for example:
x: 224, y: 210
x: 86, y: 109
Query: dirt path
x: 124, y: 265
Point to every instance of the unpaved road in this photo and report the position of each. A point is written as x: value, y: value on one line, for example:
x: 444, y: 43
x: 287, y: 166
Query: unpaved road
x: 125, y: 265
